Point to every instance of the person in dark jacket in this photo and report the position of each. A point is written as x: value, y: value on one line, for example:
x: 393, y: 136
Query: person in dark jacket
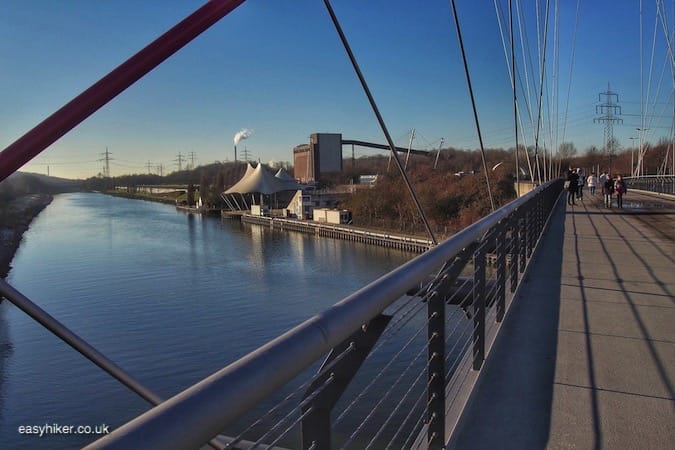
x: 573, y: 184
x: 608, y: 190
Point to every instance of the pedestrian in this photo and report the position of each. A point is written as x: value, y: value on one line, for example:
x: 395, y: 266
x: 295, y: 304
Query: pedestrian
x: 603, y: 178
x: 592, y: 181
x: 620, y: 189
x: 580, y: 183
x: 608, y: 190
x: 572, y: 182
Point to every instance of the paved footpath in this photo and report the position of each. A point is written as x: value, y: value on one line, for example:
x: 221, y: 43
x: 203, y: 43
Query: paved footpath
x: 586, y: 357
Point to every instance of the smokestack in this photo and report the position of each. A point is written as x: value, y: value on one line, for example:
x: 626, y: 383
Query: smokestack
x: 244, y: 133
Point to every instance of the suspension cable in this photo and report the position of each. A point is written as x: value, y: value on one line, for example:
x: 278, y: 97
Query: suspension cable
x: 515, y: 97
x: 380, y: 120
x: 541, y: 92
x: 473, y: 103
x: 569, y: 81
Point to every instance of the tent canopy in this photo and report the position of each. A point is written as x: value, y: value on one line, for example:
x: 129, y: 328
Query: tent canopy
x: 259, y: 180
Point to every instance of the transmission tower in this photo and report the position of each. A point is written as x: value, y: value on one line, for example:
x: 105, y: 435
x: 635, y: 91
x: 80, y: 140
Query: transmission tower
x: 192, y: 160
x: 107, y: 159
x: 180, y: 160
x: 609, y: 110
x: 247, y: 154
x: 148, y: 165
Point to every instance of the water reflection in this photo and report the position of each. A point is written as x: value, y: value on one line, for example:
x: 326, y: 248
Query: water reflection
x: 168, y: 299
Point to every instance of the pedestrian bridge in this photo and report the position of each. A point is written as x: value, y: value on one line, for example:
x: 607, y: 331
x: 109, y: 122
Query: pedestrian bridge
x: 565, y: 340
x: 586, y: 358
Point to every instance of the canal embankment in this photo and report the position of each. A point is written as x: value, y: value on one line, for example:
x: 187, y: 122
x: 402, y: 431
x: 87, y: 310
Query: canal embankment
x: 344, y: 232
x: 15, y: 218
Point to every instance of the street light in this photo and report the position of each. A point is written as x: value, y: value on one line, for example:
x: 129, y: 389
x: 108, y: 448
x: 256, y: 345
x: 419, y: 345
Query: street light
x: 632, y: 151
x: 640, y: 155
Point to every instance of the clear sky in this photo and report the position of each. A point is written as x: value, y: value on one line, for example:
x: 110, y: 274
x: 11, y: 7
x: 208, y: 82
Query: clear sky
x: 278, y: 68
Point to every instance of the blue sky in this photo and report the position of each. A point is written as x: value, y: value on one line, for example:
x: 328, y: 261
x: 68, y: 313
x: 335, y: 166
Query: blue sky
x: 277, y: 67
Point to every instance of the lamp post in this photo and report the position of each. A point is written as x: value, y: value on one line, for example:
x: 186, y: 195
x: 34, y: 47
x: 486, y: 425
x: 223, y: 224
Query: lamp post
x: 632, y: 151
x: 639, y: 169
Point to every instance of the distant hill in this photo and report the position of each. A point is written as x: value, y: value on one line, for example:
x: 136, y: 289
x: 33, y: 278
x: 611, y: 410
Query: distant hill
x: 21, y: 183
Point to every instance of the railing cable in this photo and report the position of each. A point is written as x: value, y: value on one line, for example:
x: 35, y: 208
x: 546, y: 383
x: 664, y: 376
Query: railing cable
x: 384, y: 396
x: 379, y: 374
x: 399, y: 404
x: 290, y: 396
x: 413, y: 408
x: 286, y: 418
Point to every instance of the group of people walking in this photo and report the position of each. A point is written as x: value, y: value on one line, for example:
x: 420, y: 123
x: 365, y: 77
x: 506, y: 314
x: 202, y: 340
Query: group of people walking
x: 576, y: 179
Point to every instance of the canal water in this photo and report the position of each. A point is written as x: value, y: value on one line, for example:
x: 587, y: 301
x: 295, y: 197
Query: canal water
x: 168, y: 296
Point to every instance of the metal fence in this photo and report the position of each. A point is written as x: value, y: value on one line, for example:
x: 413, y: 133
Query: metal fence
x: 399, y: 356
x: 663, y: 184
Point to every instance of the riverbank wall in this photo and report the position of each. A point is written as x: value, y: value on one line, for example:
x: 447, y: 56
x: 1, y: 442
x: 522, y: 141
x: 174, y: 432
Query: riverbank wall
x: 382, y: 239
x: 15, y: 218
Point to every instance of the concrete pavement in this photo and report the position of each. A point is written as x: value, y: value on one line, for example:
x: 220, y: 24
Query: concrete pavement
x: 586, y: 356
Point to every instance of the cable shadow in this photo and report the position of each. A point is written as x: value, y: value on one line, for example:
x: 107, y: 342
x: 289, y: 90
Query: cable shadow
x: 597, y: 428
x: 649, y: 342
x: 648, y: 239
x: 657, y: 281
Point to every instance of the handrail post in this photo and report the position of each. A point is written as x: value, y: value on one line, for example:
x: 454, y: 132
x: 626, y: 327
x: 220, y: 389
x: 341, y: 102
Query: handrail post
x: 500, y: 249
x: 513, y: 224
x: 530, y: 225
x: 436, y: 371
x: 479, y: 307
x: 522, y: 244
x: 326, y: 390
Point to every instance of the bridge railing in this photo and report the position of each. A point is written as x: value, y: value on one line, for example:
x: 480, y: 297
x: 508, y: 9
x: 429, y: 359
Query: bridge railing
x: 400, y: 354
x: 663, y: 184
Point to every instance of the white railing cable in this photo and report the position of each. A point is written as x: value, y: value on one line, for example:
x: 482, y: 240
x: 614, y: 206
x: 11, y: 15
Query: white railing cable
x: 386, y: 395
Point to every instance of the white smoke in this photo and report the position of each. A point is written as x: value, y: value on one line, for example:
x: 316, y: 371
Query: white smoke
x: 244, y: 133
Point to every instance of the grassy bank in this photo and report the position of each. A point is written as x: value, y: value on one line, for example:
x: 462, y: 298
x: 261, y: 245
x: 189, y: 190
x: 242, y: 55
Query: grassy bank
x: 15, y: 218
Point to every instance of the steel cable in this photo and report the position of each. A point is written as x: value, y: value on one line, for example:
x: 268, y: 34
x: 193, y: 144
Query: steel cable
x: 290, y: 396
x: 385, y: 396
x: 398, y: 405
x: 377, y: 377
x: 284, y: 419
x: 408, y: 417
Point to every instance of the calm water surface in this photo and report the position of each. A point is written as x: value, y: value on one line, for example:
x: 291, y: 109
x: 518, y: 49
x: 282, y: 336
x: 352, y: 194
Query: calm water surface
x: 170, y: 297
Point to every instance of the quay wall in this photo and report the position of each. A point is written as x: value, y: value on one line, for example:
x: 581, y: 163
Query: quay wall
x: 342, y: 232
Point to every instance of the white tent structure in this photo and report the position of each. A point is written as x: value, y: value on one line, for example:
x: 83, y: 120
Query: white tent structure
x: 257, y: 181
x: 261, y: 181
x: 286, y: 179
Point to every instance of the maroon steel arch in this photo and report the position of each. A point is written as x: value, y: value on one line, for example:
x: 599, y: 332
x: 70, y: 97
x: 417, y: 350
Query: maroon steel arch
x: 74, y: 112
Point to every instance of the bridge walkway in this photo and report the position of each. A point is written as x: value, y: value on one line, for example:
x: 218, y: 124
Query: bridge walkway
x: 587, y: 357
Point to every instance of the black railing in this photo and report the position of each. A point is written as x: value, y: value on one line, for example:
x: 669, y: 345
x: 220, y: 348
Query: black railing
x: 663, y: 184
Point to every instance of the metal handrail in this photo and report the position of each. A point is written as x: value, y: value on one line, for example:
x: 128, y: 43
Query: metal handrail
x: 200, y: 412
x: 663, y: 184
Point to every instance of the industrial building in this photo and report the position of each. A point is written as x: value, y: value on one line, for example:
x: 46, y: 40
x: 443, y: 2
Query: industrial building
x: 321, y: 156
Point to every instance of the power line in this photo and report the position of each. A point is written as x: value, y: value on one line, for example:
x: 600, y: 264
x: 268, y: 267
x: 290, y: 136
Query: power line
x: 107, y: 159
x: 609, y: 110
x: 180, y: 160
